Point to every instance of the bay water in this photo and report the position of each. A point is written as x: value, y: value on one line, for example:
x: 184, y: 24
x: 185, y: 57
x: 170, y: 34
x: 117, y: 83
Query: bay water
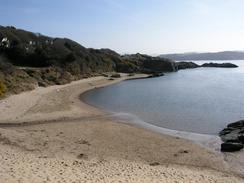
x: 201, y: 100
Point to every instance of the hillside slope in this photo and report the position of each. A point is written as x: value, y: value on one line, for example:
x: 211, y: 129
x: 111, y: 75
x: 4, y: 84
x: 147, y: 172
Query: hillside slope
x: 31, y: 59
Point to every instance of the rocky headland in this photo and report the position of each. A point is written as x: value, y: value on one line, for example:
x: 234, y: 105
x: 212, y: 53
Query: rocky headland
x: 223, y: 65
x: 28, y: 60
x: 31, y: 59
x: 186, y: 65
x: 192, y: 65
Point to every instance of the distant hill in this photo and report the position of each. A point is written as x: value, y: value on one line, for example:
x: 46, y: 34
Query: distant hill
x: 226, y: 55
x: 31, y: 59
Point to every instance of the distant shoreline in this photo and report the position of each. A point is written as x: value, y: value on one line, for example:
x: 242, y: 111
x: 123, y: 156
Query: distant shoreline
x: 210, y: 56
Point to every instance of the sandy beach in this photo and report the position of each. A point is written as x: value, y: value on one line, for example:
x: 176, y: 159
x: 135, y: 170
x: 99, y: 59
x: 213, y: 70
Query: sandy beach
x: 50, y: 135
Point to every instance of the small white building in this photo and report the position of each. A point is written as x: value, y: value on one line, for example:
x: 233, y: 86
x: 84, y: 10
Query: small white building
x: 5, y: 39
x: 5, y: 42
x: 32, y: 43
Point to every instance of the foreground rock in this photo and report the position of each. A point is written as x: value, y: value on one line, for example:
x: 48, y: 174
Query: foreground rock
x: 154, y: 75
x: 231, y: 146
x: 233, y: 137
x: 223, y: 65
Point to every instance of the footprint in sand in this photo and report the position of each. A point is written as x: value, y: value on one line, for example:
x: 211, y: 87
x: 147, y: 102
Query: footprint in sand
x: 82, y: 156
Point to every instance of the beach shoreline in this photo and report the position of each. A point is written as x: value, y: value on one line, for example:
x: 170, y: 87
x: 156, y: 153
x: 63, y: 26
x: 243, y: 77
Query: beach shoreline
x: 50, y: 123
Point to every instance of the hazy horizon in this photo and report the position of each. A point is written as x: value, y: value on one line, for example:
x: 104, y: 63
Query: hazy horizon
x: 150, y: 27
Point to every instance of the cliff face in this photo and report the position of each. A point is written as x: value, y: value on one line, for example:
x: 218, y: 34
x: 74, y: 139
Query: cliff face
x: 28, y: 59
x: 148, y: 64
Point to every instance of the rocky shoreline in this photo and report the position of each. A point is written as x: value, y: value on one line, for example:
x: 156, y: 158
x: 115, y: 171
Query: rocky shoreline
x: 192, y: 65
x: 232, y: 137
x: 221, y: 65
x: 29, y: 60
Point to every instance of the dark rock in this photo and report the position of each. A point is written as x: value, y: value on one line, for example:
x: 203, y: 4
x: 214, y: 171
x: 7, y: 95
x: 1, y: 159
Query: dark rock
x: 186, y: 65
x: 242, y: 130
x: 233, y: 136
x: 238, y: 124
x: 224, y: 65
x: 234, y: 141
x: 82, y: 156
x: 241, y: 137
x: 225, y: 131
x: 231, y: 146
x: 117, y: 75
x: 154, y: 164
x: 183, y: 151
x: 156, y: 75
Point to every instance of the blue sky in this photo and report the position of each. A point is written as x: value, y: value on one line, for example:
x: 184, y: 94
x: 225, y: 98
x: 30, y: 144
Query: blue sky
x: 131, y: 26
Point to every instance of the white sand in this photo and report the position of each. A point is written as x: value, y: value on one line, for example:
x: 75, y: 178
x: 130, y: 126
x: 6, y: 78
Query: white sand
x: 74, y: 142
x: 26, y: 167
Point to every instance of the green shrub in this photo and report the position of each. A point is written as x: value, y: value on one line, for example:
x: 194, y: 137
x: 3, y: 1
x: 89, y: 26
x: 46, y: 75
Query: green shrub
x: 2, y: 88
x: 131, y: 74
x: 116, y: 75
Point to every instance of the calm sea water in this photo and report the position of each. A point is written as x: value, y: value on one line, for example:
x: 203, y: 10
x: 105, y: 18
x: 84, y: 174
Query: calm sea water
x: 201, y: 100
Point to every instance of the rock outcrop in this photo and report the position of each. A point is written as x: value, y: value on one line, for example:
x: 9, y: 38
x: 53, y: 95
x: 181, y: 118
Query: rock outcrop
x: 233, y: 137
x: 222, y: 65
x: 231, y: 146
x: 192, y: 65
x: 148, y: 64
x: 186, y: 65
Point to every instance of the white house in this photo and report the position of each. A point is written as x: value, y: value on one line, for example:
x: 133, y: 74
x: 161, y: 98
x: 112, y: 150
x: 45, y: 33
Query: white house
x: 5, y: 39
x: 5, y: 42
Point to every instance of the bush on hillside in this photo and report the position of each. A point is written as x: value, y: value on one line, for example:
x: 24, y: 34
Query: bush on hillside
x: 116, y: 75
x: 2, y: 88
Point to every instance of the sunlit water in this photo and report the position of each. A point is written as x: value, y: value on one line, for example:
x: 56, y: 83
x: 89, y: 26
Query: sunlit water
x: 201, y: 100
